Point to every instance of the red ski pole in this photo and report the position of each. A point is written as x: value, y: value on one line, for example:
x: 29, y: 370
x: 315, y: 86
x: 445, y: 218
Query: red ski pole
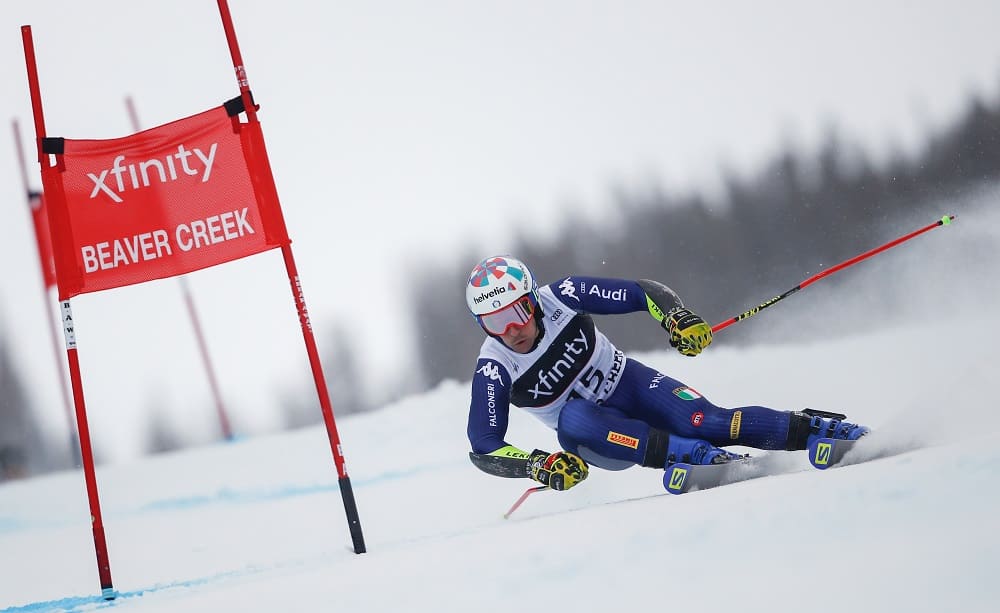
x: 524, y: 496
x: 944, y: 221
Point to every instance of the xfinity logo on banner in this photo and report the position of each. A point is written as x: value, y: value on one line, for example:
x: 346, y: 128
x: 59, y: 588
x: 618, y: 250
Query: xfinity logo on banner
x: 139, y: 173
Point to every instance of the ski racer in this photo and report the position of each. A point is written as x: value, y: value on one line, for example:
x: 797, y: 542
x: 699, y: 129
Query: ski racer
x: 544, y: 354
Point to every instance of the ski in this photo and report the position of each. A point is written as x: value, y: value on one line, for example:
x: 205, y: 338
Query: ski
x: 827, y: 452
x: 681, y: 477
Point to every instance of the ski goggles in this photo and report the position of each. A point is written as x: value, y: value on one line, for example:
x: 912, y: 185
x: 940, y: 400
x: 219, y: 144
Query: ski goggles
x: 514, y: 315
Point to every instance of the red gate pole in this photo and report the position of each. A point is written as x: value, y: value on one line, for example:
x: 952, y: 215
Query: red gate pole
x: 220, y: 409
x: 74, y: 445
x: 346, y: 492
x: 86, y: 452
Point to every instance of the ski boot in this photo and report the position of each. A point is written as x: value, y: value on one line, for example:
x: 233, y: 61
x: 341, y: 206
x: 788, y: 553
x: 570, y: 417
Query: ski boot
x: 696, y: 451
x: 831, y: 425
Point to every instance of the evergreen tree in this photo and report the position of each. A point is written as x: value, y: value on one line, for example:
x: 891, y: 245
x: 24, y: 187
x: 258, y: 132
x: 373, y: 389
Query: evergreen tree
x: 21, y: 453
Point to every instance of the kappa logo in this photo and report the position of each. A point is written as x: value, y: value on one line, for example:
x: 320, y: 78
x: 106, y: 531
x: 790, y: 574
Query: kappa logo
x: 166, y: 170
x: 491, y: 371
x: 566, y: 288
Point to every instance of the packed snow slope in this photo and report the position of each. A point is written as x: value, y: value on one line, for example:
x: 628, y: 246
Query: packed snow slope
x: 258, y: 525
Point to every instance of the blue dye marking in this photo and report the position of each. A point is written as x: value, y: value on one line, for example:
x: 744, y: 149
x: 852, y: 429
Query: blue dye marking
x: 228, y: 496
x: 73, y: 604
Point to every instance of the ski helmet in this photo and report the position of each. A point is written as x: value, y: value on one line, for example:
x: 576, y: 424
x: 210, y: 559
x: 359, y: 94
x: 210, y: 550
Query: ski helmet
x: 494, y: 292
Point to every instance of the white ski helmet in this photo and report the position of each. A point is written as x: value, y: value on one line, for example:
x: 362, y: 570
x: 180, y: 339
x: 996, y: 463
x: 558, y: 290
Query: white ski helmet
x: 497, y: 283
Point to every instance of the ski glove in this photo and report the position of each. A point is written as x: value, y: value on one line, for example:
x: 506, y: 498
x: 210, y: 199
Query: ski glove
x: 560, y: 470
x: 689, y: 333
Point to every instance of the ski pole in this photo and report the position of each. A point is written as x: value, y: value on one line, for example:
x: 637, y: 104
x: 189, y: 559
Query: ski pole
x: 944, y: 221
x: 524, y: 496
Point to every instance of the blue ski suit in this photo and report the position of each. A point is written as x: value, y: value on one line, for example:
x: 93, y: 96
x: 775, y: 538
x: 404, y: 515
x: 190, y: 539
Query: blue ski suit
x: 605, y: 407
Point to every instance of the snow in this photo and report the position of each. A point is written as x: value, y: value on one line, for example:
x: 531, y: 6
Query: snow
x: 258, y: 525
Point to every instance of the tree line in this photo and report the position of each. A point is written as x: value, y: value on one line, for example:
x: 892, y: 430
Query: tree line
x: 799, y: 213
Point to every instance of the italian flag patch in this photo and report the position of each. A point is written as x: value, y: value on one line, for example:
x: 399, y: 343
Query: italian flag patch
x: 686, y: 393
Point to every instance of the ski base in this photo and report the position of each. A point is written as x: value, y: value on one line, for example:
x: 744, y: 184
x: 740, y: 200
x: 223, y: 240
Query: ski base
x: 827, y: 452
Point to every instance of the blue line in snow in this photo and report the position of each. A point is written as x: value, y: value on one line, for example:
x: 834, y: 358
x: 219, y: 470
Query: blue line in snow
x: 247, y: 496
x: 231, y: 496
x: 74, y: 604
